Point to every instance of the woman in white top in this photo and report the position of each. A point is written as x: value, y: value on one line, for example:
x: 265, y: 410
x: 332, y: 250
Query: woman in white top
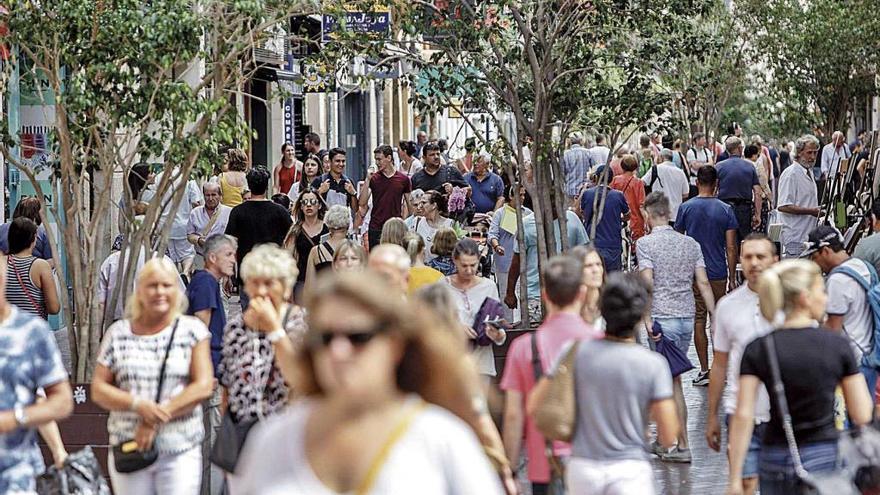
x: 373, y: 373
x: 126, y: 380
x: 426, y: 226
x: 409, y: 164
x: 471, y: 291
x: 311, y: 170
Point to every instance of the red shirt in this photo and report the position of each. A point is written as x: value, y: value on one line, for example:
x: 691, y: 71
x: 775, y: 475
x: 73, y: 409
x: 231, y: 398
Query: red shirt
x: 387, y: 197
x: 286, y: 178
x: 634, y: 191
x: 556, y: 331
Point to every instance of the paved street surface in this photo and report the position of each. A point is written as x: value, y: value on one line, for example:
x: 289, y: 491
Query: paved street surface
x: 707, y: 475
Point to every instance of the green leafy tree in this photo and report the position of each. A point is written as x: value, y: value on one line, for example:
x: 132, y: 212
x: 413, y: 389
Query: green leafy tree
x: 130, y: 81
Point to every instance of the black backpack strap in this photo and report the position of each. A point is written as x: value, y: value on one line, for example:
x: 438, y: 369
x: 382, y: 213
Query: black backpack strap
x: 537, y: 370
x: 655, y: 177
x: 165, y: 361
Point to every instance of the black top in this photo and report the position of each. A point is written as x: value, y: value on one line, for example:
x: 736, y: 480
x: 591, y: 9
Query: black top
x: 257, y: 222
x: 446, y: 173
x: 303, y: 245
x: 812, y: 362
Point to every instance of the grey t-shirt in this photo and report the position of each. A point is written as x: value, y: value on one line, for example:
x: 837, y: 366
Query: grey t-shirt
x: 615, y: 384
x: 847, y: 298
x: 869, y: 250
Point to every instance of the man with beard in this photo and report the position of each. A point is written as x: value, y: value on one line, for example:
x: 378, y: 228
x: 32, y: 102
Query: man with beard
x: 798, y: 202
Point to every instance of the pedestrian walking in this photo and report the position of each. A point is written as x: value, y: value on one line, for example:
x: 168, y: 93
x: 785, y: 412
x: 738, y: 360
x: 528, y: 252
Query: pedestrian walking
x: 391, y: 262
x: 672, y: 263
x: 389, y: 189
x: 444, y: 244
x: 30, y: 361
x: 502, y: 239
x: 287, y: 172
x: 259, y: 345
x: 311, y: 169
x: 607, y: 208
x: 634, y: 191
x: 420, y: 275
x: 435, y: 176
x: 563, y: 295
x: 434, y: 219
x: 812, y: 362
x: 738, y: 321
x: 234, y: 186
x: 205, y: 221
x: 29, y: 207
x: 205, y: 300
x: 577, y: 162
x: 738, y: 186
x: 471, y: 292
x: 308, y: 230
x: 377, y: 388
x: 668, y: 179
x: 594, y: 280
x: 30, y: 283
x: 712, y: 223
x: 334, y: 187
x: 618, y: 384
x: 155, y: 345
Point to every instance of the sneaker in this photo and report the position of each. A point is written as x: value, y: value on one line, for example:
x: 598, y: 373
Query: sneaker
x: 702, y: 379
x: 676, y: 454
x: 658, y: 449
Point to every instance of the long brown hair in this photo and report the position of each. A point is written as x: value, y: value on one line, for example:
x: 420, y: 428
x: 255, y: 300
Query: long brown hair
x: 431, y: 365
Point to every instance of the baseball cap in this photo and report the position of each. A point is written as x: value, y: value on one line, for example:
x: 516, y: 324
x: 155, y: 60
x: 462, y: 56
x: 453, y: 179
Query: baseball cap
x: 822, y: 236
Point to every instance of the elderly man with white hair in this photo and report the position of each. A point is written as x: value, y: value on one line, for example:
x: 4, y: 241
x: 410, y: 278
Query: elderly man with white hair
x: 832, y: 154
x: 206, y: 221
x: 576, y: 165
x: 798, y: 201
x: 487, y: 187
x: 665, y: 177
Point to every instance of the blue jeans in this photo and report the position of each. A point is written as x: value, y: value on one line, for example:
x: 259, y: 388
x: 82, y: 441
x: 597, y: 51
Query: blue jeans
x: 679, y: 330
x: 611, y: 257
x: 776, y: 471
x: 870, y: 375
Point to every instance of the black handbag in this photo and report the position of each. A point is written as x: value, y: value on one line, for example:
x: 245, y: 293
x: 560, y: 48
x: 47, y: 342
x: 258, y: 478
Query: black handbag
x: 126, y: 456
x: 229, y: 442
x: 80, y: 475
x: 839, y: 482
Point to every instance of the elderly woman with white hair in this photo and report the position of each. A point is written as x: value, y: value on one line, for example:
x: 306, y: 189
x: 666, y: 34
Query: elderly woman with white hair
x: 338, y: 221
x: 257, y: 345
x: 153, y: 372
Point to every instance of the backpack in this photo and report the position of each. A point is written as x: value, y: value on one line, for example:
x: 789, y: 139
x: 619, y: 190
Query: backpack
x: 870, y: 357
x: 655, y: 177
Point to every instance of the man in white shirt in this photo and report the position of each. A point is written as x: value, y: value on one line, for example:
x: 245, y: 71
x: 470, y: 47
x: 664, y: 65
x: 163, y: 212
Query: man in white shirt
x: 832, y: 154
x: 670, y: 180
x: 600, y: 152
x: 699, y: 155
x: 207, y: 220
x: 798, y: 201
x: 738, y: 322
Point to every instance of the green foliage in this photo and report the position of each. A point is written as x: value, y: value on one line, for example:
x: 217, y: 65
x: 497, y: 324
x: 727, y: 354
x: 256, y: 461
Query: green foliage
x: 821, y: 55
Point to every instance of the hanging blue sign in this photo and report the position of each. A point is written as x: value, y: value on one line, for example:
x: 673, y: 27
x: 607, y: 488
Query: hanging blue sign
x: 375, y: 23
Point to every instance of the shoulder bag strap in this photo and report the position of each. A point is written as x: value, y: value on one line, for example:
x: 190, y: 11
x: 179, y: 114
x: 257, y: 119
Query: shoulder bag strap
x: 537, y: 369
x: 396, y: 434
x: 33, y: 301
x: 211, y: 222
x: 779, y: 392
x: 165, y: 361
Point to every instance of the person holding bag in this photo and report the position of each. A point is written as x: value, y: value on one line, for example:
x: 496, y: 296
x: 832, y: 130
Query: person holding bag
x: 801, y: 364
x: 153, y: 372
x: 617, y: 384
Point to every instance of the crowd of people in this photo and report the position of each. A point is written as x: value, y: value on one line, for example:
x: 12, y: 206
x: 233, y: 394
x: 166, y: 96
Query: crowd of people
x: 363, y: 354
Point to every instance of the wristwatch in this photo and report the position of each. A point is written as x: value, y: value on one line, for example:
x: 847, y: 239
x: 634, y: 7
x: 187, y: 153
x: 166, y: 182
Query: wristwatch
x: 20, y: 415
x: 276, y: 335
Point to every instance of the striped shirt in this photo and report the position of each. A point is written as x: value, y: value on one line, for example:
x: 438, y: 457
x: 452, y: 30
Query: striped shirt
x: 135, y: 361
x: 21, y: 291
x: 576, y: 165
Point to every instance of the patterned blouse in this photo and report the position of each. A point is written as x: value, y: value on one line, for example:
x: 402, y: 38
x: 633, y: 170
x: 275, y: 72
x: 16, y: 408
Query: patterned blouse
x: 255, y: 385
x: 136, y: 360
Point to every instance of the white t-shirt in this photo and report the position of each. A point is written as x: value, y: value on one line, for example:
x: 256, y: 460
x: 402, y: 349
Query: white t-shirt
x: 424, y: 229
x: 847, y: 298
x: 672, y: 182
x: 438, y: 455
x: 600, y: 154
x: 738, y: 321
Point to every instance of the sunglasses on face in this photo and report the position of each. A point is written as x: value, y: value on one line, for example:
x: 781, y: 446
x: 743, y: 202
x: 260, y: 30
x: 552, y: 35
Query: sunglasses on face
x: 309, y: 202
x: 357, y: 339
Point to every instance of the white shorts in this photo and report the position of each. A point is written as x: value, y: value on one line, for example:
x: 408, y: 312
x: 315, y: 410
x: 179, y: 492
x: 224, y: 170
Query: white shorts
x: 609, y: 477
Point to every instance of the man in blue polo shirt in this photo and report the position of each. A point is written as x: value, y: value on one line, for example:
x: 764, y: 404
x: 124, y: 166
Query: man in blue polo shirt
x: 738, y: 186
x: 713, y: 225
x: 487, y: 188
x: 609, y: 220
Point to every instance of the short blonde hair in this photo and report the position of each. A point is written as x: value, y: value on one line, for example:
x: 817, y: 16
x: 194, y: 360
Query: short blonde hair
x: 270, y: 262
x: 134, y: 307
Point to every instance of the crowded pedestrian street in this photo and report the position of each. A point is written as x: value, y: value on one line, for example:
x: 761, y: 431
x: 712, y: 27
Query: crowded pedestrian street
x: 440, y: 247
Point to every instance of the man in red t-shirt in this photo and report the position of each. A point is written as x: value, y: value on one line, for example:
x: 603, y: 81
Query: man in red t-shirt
x: 563, y: 294
x: 389, y: 188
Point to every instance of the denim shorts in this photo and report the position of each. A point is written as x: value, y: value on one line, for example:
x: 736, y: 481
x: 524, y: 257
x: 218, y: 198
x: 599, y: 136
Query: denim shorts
x: 776, y: 469
x: 750, y: 463
x: 679, y: 330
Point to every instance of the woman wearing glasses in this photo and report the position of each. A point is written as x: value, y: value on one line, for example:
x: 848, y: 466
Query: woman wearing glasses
x: 380, y: 405
x: 306, y: 232
x: 258, y: 346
